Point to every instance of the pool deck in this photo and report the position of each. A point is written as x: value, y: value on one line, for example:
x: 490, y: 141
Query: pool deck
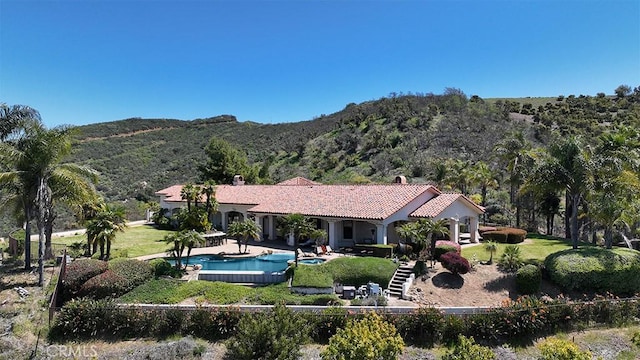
x: 230, y: 248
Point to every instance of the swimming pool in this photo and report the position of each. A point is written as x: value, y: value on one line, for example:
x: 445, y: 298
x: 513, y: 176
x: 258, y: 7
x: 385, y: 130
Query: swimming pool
x: 268, y: 263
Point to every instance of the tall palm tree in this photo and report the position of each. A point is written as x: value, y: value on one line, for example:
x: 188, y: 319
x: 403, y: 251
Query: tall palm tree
x: 244, y: 230
x: 209, y: 191
x: 191, y: 194
x: 15, y: 122
x: 36, y: 165
x: 513, y: 153
x: 102, y: 229
x: 298, y: 225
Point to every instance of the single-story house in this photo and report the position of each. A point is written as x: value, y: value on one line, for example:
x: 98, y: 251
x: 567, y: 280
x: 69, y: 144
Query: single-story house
x: 351, y: 214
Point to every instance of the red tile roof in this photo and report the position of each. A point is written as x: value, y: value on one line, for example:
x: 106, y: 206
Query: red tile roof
x: 351, y: 201
x: 438, y: 204
x: 298, y: 181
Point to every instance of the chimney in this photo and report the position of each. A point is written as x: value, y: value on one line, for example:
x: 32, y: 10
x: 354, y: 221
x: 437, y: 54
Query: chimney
x: 400, y: 179
x: 238, y: 180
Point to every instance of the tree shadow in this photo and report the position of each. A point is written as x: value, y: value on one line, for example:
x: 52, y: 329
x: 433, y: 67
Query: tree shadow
x: 504, y: 282
x: 447, y: 280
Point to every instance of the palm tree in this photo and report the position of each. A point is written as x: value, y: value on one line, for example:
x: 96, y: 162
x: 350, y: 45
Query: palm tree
x: 491, y: 247
x: 513, y: 152
x: 244, y: 230
x: 102, y: 229
x: 570, y: 168
x: 15, y: 122
x: 180, y: 241
x: 298, y: 225
x: 483, y: 176
x: 193, y: 239
x: 190, y: 193
x: 37, y: 172
x: 209, y: 191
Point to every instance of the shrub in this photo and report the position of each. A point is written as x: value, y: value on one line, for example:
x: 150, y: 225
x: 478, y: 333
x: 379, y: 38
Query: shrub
x: 80, y: 319
x: 78, y: 272
x: 420, y: 268
x: 444, y: 246
x: 327, y: 324
x: 106, y: 285
x: 528, y: 279
x: 511, y: 259
x: 422, y: 327
x: 370, y: 338
x: 505, y: 235
x: 557, y: 349
x: 161, y: 267
x: 135, y: 272
x: 377, y: 300
x: 122, y: 276
x: 455, y: 263
x: 276, y: 335
x: 596, y: 269
x: 467, y: 349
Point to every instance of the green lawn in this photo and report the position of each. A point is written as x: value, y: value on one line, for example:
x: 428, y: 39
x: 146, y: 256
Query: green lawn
x: 136, y: 240
x: 536, y: 251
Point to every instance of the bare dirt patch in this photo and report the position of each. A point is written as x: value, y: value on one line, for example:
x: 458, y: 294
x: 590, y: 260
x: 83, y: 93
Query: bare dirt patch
x: 484, y: 286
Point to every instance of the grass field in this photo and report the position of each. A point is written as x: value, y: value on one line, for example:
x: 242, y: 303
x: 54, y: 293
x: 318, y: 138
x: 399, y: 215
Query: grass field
x: 135, y: 241
x: 535, y: 249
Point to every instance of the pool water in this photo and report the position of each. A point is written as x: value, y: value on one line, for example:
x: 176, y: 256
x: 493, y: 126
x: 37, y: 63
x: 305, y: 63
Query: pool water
x: 311, y: 261
x: 267, y: 263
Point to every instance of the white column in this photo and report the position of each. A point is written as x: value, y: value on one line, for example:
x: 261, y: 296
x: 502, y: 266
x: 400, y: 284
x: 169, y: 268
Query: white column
x: 291, y: 241
x: 223, y: 215
x: 454, y: 230
x: 473, y: 229
x: 331, y: 235
x: 258, y: 220
x: 381, y: 234
x: 272, y: 228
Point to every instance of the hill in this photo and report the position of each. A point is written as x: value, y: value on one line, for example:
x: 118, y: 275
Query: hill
x: 371, y: 141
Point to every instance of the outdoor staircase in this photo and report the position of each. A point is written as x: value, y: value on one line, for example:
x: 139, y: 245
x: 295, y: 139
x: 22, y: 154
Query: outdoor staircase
x: 401, y: 275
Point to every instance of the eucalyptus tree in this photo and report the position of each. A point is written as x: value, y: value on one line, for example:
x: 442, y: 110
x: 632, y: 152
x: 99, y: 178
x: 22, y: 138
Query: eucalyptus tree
x: 243, y: 231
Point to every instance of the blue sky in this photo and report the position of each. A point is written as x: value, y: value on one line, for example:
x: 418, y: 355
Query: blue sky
x: 81, y: 62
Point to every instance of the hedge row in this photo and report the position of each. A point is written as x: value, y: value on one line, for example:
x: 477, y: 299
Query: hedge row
x: 78, y: 272
x: 505, y: 235
x: 596, y: 269
x: 526, y: 318
x: 111, y: 279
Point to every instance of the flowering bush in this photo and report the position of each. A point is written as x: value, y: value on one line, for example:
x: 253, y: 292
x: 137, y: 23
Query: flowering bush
x: 445, y: 246
x: 455, y: 263
x: 557, y: 349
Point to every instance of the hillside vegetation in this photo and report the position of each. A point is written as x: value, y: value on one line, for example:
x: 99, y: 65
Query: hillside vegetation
x: 404, y: 134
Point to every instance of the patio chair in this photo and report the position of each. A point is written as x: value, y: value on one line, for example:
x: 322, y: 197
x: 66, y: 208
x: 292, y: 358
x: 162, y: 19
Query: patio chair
x: 304, y: 254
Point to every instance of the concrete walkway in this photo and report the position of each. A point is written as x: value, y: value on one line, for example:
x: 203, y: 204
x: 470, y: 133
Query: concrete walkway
x: 229, y: 247
x: 75, y: 232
